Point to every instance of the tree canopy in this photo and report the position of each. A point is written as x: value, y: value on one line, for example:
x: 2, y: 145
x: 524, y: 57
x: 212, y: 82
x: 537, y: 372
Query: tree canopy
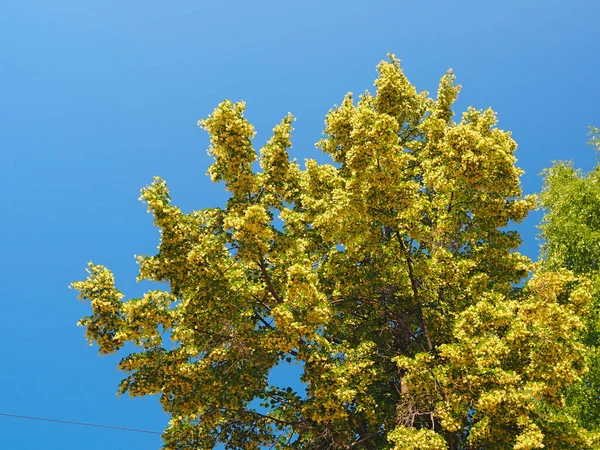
x: 390, y: 276
x: 571, y: 240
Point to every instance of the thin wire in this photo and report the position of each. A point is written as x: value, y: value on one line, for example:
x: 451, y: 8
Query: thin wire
x: 69, y: 422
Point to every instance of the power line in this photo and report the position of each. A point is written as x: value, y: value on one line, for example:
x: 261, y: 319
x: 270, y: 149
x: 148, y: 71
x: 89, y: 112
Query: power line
x: 69, y: 422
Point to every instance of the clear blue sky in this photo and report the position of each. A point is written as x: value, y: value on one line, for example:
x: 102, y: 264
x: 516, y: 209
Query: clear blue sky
x: 98, y: 97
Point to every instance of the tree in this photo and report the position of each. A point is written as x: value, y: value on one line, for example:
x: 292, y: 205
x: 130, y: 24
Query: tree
x: 393, y: 282
x: 571, y: 240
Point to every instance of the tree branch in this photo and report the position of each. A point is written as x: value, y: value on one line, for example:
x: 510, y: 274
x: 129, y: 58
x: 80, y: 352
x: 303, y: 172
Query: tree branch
x: 259, y: 195
x: 415, y: 288
x: 264, y: 322
x: 449, y: 207
x: 279, y: 421
x: 263, y: 270
x: 364, y: 437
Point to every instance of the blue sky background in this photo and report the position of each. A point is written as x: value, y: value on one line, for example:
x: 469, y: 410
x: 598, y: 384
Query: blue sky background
x: 98, y: 97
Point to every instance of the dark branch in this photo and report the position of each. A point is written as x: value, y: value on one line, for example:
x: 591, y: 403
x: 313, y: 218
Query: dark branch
x: 263, y: 270
x: 415, y: 288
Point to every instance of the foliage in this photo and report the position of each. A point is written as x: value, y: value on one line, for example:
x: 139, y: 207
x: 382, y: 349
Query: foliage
x: 393, y: 283
x: 571, y: 233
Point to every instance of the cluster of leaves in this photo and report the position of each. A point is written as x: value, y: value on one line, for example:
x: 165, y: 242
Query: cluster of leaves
x: 393, y: 282
x: 571, y: 236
